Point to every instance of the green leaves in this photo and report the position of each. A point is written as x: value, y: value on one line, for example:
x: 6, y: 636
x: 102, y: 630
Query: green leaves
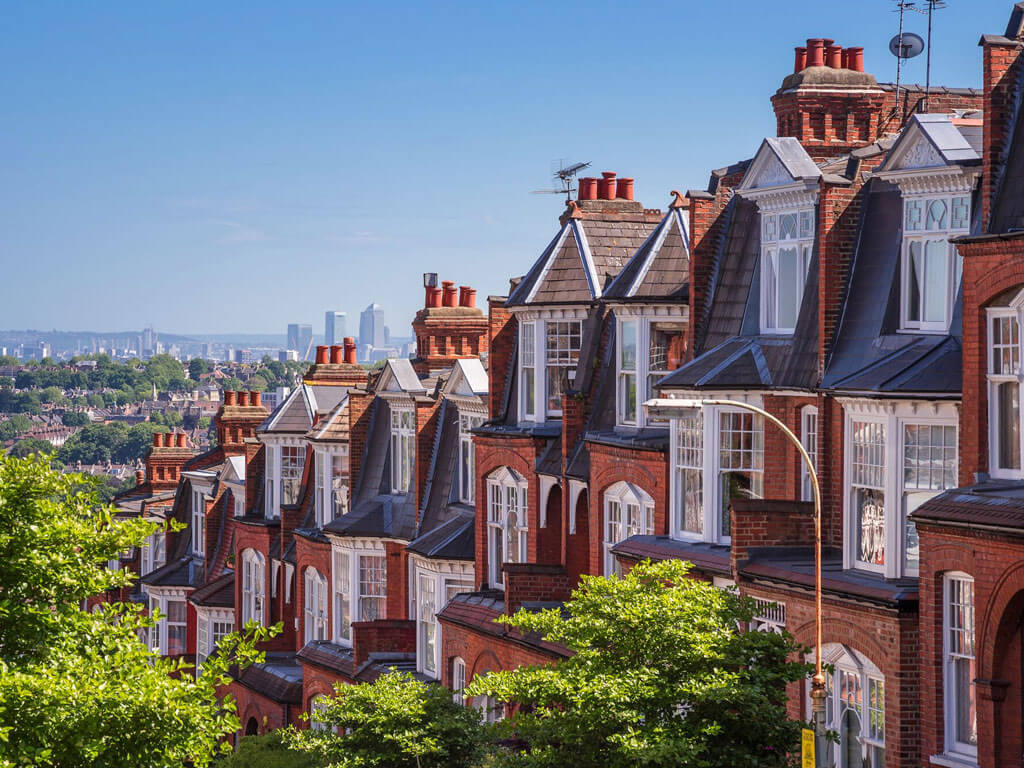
x: 79, y: 688
x: 395, y: 722
x: 660, y: 675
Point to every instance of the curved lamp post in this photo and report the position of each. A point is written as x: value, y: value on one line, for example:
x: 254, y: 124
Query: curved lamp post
x: 818, y: 690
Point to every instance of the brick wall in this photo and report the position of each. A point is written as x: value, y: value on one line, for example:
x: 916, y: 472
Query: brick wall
x: 999, y: 73
x: 526, y: 582
x: 768, y: 523
x: 427, y: 417
x: 255, y: 463
x: 310, y: 554
x: 484, y: 653
x: 398, y: 580
x: 501, y: 338
x: 359, y: 402
x: 384, y: 636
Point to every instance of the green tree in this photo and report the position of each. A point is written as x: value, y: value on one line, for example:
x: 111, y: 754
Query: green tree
x: 30, y: 446
x: 268, y: 751
x: 78, y: 688
x: 165, y: 372
x: 661, y: 675
x: 256, y: 383
x: 95, y: 400
x: 232, y: 384
x: 74, y: 419
x: 197, y: 367
x: 394, y: 722
x: 8, y: 360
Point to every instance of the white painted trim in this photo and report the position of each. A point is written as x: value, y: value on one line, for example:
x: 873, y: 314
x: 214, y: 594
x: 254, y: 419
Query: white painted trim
x: 576, y: 487
x: 546, y: 483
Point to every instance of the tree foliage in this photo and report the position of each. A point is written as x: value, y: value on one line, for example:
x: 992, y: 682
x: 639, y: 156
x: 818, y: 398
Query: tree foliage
x: 117, y: 442
x: 31, y: 446
x: 660, y: 675
x: 78, y: 688
x: 394, y: 722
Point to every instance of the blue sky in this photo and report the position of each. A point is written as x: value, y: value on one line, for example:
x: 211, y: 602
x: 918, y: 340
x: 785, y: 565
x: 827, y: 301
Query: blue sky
x: 232, y: 167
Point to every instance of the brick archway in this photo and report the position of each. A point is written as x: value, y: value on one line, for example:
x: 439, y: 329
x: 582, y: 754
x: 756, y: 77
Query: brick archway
x: 1000, y: 681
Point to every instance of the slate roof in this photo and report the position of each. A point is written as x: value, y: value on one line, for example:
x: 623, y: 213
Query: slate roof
x: 660, y: 267
x: 452, y: 540
x: 279, y: 678
x: 334, y: 427
x: 295, y: 414
x: 335, y: 658
x: 478, y: 610
x: 869, y: 353
x: 946, y: 137
x: 219, y: 593
x: 993, y: 504
x: 704, y: 555
x: 582, y: 259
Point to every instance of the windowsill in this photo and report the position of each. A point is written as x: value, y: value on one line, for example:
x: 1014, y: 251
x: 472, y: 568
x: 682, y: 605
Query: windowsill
x: 952, y: 760
x: 778, y: 331
x: 926, y: 331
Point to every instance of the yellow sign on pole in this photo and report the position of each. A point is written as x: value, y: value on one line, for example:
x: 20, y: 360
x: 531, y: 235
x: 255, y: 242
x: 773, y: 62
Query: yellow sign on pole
x: 807, y: 748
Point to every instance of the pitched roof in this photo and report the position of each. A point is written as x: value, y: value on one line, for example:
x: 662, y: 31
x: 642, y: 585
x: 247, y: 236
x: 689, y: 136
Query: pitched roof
x: 452, y: 540
x: 468, y: 377
x: 296, y: 413
x: 930, y: 140
x: 398, y: 375
x: 994, y: 504
x: 219, y: 593
x: 660, y: 267
x: 582, y: 259
x: 778, y: 162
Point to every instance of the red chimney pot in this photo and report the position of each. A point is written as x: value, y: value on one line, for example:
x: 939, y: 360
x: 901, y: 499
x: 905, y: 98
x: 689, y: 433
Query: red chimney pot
x: 350, y: 349
x: 606, y: 185
x: 588, y: 188
x: 448, y: 291
x: 624, y: 189
x: 243, y: 399
x: 855, y: 59
x: 801, y: 58
x: 255, y: 398
x: 322, y: 355
x: 229, y: 397
x: 182, y: 437
x: 158, y: 439
x: 815, y: 52
x: 337, y: 354
x: 834, y: 56
x: 470, y: 297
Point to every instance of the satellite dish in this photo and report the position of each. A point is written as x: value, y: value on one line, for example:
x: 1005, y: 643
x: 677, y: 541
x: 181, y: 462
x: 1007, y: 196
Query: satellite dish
x: 906, y: 46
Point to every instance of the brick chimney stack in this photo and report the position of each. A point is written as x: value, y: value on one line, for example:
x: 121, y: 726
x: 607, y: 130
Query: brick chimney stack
x: 449, y: 330
x: 237, y: 420
x: 1001, y: 62
x: 165, y: 460
x: 337, y: 366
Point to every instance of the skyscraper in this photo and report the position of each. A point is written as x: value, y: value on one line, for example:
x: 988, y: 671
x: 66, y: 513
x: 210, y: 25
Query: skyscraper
x: 371, y: 326
x: 300, y: 338
x: 334, y: 327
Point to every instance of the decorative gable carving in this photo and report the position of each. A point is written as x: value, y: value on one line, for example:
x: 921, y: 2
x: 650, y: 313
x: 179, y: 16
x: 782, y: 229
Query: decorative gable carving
x: 772, y: 174
x: 921, y: 154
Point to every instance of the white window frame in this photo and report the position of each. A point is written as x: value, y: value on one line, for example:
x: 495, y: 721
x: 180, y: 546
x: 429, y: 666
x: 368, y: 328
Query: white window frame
x: 239, y: 504
x: 331, y: 493
x: 713, y: 525
x: 965, y: 751
x: 900, y: 498
x: 161, y: 630
x: 349, y: 591
x: 459, y: 680
x: 506, y: 495
x: 859, y: 669
x: 805, y: 229
x: 628, y: 511
x: 535, y: 356
x: 809, y: 440
x: 314, y: 606
x: 443, y: 579
x: 292, y: 455
x: 643, y: 371
x: 403, y: 448
x: 153, y: 554
x: 922, y: 235
x: 211, y: 626
x: 198, y: 522
x: 317, y: 705
x: 254, y: 587
x: 1004, y: 369
x: 468, y: 421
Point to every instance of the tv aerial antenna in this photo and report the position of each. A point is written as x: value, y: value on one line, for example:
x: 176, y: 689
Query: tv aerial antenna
x: 907, y: 45
x: 566, y: 176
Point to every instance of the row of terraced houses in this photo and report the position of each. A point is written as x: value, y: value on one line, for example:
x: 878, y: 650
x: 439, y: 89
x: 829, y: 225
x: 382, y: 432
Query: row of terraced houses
x: 860, y: 276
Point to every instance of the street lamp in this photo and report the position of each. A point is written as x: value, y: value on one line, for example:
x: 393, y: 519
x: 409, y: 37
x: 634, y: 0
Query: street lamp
x: 818, y: 690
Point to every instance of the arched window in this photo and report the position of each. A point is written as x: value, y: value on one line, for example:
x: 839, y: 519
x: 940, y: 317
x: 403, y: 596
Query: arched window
x: 506, y: 521
x: 959, y: 669
x: 316, y: 708
x: 855, y: 708
x: 253, y: 586
x: 315, y: 606
x: 628, y: 511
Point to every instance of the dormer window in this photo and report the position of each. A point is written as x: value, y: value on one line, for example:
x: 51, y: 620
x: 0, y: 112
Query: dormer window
x: 647, y: 350
x: 555, y: 344
x: 787, y: 238
x: 403, y: 448
x: 331, y: 485
x: 467, y: 479
x: 931, y: 265
x: 198, y: 523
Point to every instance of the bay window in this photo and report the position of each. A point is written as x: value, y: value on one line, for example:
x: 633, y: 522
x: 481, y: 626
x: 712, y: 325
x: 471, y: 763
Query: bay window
x: 403, y: 447
x: 506, y: 522
x: 254, y: 577
x: 931, y: 265
x: 315, y: 613
x: 718, y: 456
x: 959, y: 668
x: 467, y: 472
x: 556, y: 343
x: 897, y: 458
x: 435, y: 583
x: 646, y: 351
x: 854, y: 708
x: 360, y: 589
x: 293, y: 460
x: 1004, y: 379
x: 628, y: 511
x: 787, y: 238
x: 284, y: 466
x: 211, y: 628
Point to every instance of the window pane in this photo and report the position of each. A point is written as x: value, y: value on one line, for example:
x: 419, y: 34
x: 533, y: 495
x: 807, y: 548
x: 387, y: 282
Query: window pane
x: 692, y: 501
x: 771, y: 227
x: 627, y: 397
x: 667, y: 347
x: 914, y: 282
x: 627, y: 346
x: 770, y: 292
x: 870, y: 510
x: 787, y: 226
x: 961, y: 218
x: 912, y: 217
x: 936, y: 214
x: 929, y: 456
x: 806, y: 224
x: 936, y: 288
x: 1008, y: 415
x: 788, y: 285
x: 1005, y: 344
